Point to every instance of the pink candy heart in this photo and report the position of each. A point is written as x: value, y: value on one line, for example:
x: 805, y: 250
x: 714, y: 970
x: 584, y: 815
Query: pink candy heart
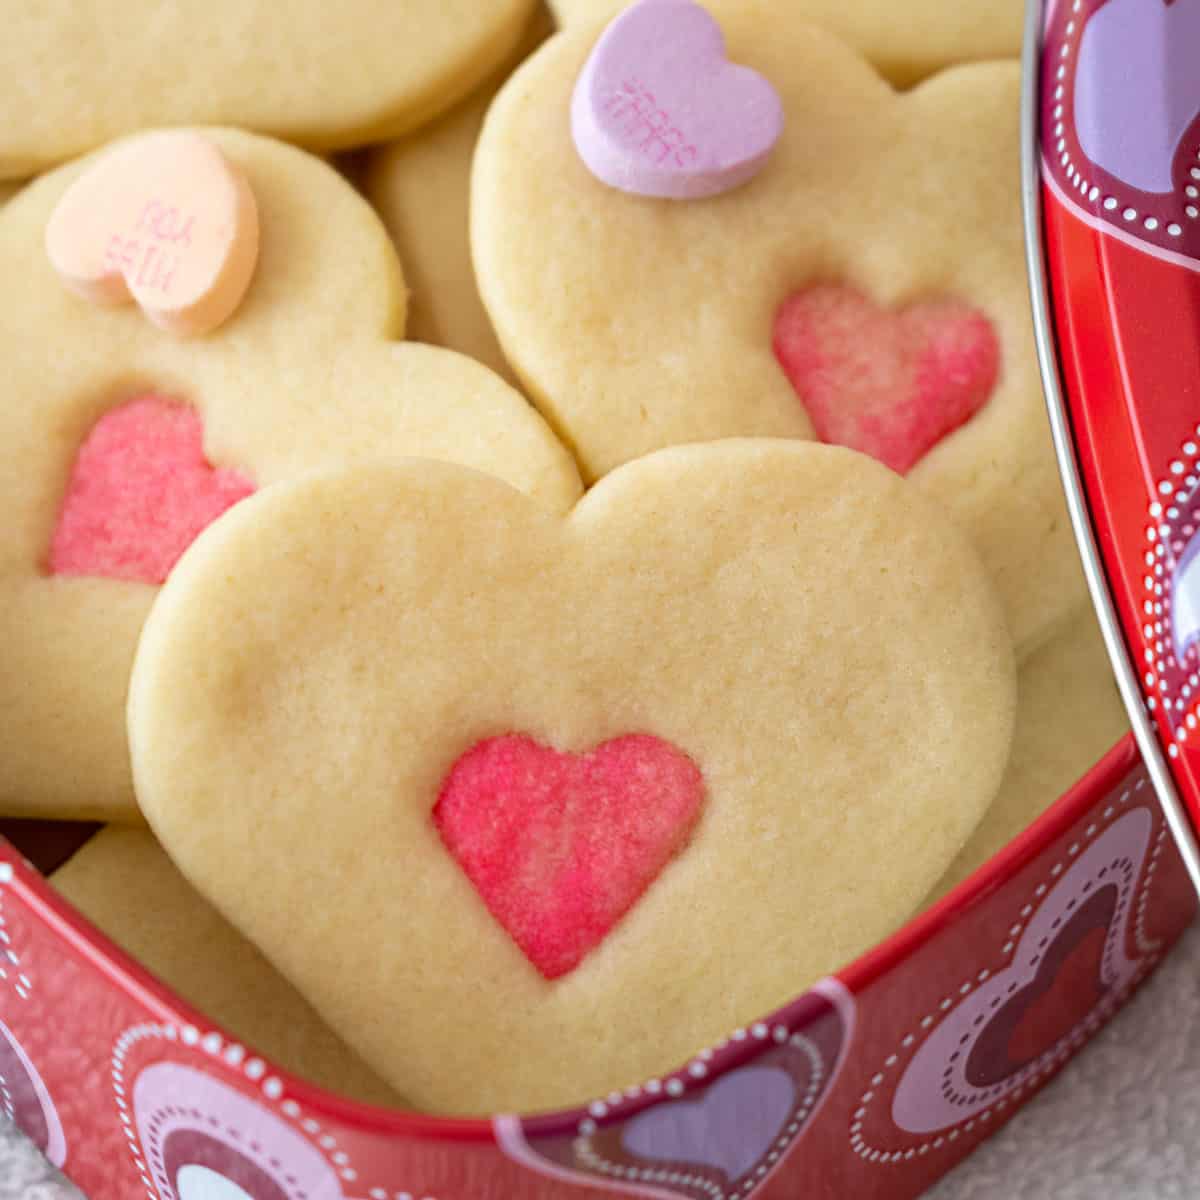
x: 660, y: 111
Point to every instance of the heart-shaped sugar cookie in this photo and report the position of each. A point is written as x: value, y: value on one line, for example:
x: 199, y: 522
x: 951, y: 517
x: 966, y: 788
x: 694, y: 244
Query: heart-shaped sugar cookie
x: 661, y: 327
x: 783, y: 643
x: 101, y: 491
x: 80, y: 72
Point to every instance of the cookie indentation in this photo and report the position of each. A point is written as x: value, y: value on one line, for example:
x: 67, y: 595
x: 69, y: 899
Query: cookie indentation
x: 561, y: 846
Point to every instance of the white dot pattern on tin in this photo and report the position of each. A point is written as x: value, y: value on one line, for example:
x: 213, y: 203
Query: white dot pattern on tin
x: 15, y: 977
x: 1021, y: 1084
x: 1180, y: 693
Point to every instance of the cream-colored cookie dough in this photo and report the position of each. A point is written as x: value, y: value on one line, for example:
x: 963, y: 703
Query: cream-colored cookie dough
x: 304, y: 375
x: 80, y: 72
x: 1069, y: 714
x: 798, y: 621
x: 421, y: 186
x: 639, y: 323
x: 125, y: 884
x: 905, y: 41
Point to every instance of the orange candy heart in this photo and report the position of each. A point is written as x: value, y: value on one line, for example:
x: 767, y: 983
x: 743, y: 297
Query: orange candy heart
x: 164, y: 220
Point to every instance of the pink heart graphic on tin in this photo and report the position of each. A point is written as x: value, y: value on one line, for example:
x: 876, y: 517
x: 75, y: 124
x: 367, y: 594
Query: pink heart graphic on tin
x: 731, y: 1127
x: 1121, y: 119
x: 984, y: 1048
x: 659, y: 110
x: 203, y: 1140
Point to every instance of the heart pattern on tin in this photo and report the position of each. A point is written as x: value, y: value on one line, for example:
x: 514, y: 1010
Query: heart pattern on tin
x: 717, y: 1129
x: 992, y: 1043
x: 1121, y: 118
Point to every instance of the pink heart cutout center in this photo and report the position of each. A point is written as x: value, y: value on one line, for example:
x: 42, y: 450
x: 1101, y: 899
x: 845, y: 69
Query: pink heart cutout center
x: 140, y: 493
x: 561, y: 846
x: 891, y: 384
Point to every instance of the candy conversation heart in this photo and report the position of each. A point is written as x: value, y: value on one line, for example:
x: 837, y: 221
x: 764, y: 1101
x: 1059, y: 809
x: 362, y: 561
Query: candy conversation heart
x: 164, y: 220
x: 664, y: 322
x: 660, y: 111
x: 455, y: 725
x: 123, y: 443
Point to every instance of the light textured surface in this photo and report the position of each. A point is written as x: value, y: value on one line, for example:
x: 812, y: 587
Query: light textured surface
x: 79, y: 72
x: 25, y: 1174
x: 638, y: 323
x: 805, y: 626
x: 420, y: 186
x: 905, y: 41
x: 305, y: 374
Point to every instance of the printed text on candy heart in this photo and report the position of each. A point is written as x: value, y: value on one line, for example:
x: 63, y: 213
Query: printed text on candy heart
x: 147, y: 255
x: 649, y: 128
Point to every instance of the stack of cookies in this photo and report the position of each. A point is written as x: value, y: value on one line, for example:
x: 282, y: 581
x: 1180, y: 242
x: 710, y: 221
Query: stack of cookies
x: 573, y: 575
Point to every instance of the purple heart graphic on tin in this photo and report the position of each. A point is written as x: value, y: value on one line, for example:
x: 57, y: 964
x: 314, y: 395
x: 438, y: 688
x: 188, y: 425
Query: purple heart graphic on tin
x: 730, y: 1128
x: 719, y: 1127
x: 1121, y: 119
x: 1137, y: 89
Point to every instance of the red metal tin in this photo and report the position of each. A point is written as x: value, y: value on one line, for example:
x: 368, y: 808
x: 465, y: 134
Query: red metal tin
x: 880, y: 1079
x: 873, y: 1084
x: 1113, y: 215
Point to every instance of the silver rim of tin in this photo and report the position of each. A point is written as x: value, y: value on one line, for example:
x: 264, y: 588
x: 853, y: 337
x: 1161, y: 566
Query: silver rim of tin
x: 1097, y: 580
